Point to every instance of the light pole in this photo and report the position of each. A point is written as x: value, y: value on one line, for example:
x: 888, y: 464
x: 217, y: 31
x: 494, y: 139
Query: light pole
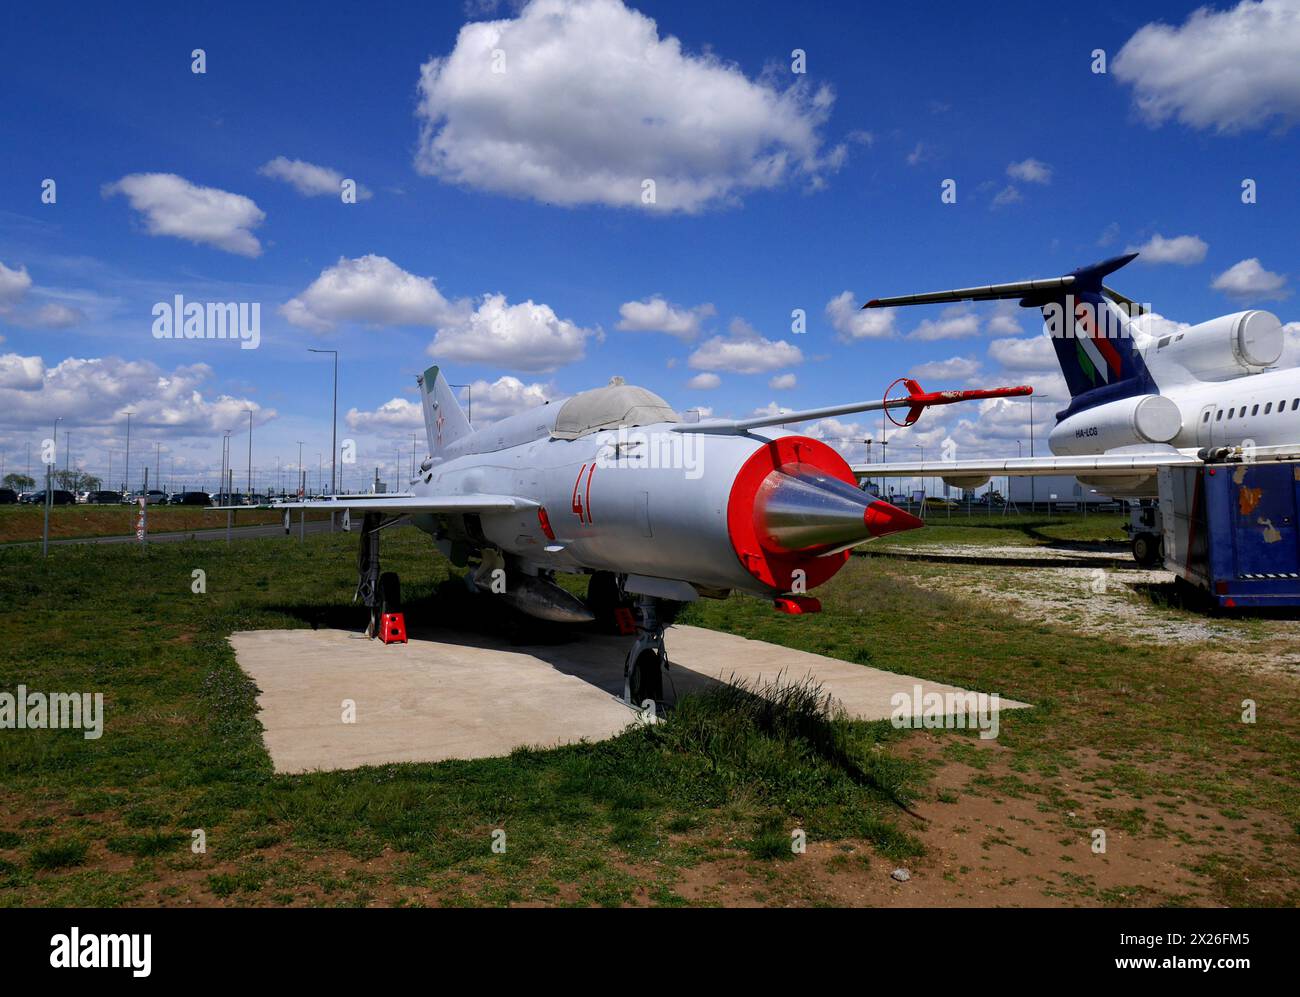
x: 334, y: 440
x: 222, y: 495
x: 250, y: 453
x: 301, y: 483
x: 921, y: 447
x: 49, y: 493
x: 126, y: 475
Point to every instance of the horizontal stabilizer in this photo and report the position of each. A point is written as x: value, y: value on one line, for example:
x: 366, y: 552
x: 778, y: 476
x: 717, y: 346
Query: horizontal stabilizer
x: 1085, y: 277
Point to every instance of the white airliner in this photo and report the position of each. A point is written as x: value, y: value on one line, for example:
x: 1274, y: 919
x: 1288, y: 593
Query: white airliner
x: 1137, y: 401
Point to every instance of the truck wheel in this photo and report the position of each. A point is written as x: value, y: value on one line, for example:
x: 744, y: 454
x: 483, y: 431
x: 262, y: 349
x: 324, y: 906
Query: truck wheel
x: 1146, y: 549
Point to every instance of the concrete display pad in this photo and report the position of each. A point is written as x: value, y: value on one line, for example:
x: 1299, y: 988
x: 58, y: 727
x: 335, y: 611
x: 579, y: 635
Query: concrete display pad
x: 454, y: 695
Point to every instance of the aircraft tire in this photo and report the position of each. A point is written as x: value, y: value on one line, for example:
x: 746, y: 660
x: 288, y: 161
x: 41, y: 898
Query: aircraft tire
x: 390, y: 593
x: 1146, y: 549
x: 647, y: 678
x: 603, y: 599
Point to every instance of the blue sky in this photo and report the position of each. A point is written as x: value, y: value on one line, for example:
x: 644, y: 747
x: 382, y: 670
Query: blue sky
x: 771, y: 199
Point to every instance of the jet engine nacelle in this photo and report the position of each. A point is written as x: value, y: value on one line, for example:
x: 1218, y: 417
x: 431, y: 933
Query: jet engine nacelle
x: 966, y: 481
x: 1124, y: 423
x: 1228, y: 346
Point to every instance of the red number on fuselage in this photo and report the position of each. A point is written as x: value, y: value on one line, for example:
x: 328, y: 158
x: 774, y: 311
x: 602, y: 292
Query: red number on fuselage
x: 580, y: 508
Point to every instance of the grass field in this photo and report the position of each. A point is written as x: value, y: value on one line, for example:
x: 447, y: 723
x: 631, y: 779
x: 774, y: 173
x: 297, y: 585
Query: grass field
x: 23, y: 523
x: 1014, y: 529
x: 1144, y: 742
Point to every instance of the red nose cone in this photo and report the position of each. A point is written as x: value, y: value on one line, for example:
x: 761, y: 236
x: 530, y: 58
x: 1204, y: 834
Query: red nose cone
x: 882, y: 518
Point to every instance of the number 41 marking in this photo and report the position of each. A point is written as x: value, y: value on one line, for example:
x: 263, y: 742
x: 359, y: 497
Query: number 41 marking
x: 582, y: 502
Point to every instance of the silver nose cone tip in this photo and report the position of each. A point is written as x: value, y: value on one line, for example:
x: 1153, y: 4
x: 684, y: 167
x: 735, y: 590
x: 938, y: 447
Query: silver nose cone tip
x: 801, y: 509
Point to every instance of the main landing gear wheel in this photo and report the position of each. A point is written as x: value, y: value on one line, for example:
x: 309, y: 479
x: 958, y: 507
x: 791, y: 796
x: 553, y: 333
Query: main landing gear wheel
x: 604, y: 599
x: 387, y: 599
x: 1147, y: 549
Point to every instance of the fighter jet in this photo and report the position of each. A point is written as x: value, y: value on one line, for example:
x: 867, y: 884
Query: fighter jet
x: 658, y: 510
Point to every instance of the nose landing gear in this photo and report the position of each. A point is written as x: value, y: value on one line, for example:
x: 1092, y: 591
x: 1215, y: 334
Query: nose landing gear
x: 647, y: 661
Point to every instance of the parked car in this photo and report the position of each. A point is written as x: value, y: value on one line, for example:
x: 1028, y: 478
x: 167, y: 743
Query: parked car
x: 194, y: 498
x: 103, y: 498
x: 8, y: 496
x: 61, y: 497
x: 156, y: 497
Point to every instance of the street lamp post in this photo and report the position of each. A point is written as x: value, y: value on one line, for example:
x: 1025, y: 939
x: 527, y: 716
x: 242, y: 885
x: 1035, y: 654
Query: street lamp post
x: 250, y: 453
x: 126, y: 475
x: 49, y: 492
x: 334, y: 440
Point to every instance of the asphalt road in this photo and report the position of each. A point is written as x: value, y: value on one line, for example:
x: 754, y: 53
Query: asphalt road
x: 237, y: 533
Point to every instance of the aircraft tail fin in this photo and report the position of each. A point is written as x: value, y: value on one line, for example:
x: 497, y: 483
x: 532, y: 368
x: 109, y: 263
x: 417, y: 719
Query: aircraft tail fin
x: 1090, y: 325
x: 445, y: 421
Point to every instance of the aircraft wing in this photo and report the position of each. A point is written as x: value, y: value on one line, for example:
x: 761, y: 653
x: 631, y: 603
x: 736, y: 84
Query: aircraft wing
x: 405, y: 504
x: 1094, y: 466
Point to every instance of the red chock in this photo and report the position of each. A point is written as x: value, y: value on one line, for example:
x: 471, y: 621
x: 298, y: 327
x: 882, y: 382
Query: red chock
x: 392, y: 628
x: 796, y: 605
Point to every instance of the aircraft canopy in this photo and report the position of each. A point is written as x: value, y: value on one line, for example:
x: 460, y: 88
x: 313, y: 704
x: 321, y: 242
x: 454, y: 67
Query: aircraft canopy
x: 608, y: 408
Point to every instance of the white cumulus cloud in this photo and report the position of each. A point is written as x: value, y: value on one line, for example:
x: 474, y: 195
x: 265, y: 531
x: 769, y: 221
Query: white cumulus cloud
x: 506, y: 396
x: 954, y: 322
x: 97, y: 392
x: 394, y: 414
x: 744, y: 351
x: 1032, y: 354
x: 952, y: 369
x: 1030, y: 171
x: 15, y: 286
x: 309, y: 179
x: 704, y: 382
x: 21, y: 373
x: 782, y: 382
x: 1229, y: 70
x: 372, y: 290
x: 654, y: 314
x: 852, y: 322
x: 580, y: 101
x: 1184, y: 250
x: 171, y: 205
x: 1249, y: 279
x: 526, y: 336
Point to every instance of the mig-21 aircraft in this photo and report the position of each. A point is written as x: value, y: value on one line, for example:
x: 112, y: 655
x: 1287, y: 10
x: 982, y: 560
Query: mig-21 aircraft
x: 658, y: 510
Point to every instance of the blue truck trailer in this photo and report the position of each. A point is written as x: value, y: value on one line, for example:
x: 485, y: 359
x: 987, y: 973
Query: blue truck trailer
x: 1231, y: 529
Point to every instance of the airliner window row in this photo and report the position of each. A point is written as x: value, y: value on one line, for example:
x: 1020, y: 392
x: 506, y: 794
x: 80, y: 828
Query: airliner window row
x: 1281, y: 407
